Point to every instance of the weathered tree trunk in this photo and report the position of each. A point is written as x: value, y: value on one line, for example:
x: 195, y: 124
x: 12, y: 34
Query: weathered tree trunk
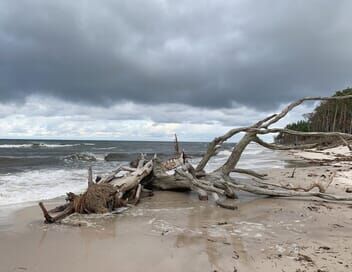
x: 132, y: 179
x: 235, y: 156
x: 334, y: 122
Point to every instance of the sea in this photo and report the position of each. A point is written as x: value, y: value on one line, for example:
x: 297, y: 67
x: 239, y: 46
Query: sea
x: 33, y: 170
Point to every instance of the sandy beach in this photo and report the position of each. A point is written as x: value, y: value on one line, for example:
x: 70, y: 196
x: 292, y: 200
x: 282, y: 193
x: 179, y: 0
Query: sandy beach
x: 177, y: 232
x: 175, y: 136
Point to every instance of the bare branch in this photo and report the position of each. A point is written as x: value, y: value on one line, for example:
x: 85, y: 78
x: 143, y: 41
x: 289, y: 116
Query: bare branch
x: 218, y: 141
x: 127, y: 168
x: 293, y: 173
x: 141, y: 161
x: 286, y: 193
x: 111, y: 176
x: 316, y: 184
x: 249, y: 172
x: 262, y: 128
x: 282, y: 147
x: 300, y: 133
x: 137, y: 196
x: 177, y: 146
x: 346, y: 143
x: 131, y: 180
x: 52, y: 219
x: 261, y: 122
x: 222, y: 204
x: 286, y: 110
x: 215, y: 145
x: 198, y: 183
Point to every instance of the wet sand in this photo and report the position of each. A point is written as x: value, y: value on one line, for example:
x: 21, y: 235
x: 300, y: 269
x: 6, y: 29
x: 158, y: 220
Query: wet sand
x: 177, y: 232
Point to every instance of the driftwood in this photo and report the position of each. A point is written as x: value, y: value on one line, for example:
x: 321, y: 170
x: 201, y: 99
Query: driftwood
x: 249, y: 172
x: 99, y: 198
x: 103, y: 197
x: 112, y: 191
x: 346, y: 143
x: 178, y: 174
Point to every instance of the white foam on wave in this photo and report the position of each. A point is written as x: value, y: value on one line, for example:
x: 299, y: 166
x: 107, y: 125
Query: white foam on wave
x: 15, y: 145
x: 104, y: 148
x: 40, y: 145
x: 82, y: 156
x: 40, y: 185
x: 54, y: 145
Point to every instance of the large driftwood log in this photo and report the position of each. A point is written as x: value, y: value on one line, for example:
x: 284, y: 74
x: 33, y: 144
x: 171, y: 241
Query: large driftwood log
x: 178, y: 174
x: 168, y: 181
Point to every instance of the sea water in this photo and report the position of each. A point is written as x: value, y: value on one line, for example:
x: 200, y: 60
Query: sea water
x: 32, y: 170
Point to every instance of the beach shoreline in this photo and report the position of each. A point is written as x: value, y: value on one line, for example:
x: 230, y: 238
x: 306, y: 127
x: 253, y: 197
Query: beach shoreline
x: 177, y: 232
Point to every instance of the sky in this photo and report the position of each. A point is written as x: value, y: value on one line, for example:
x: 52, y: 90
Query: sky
x: 144, y: 70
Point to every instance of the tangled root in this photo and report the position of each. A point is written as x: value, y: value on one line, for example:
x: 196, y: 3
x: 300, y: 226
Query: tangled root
x: 99, y: 198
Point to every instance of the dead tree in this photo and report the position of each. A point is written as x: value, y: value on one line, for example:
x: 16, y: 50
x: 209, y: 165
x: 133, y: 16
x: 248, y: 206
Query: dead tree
x: 178, y: 174
x: 221, y: 185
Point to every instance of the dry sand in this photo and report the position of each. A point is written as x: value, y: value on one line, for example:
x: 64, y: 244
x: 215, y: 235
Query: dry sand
x: 177, y: 232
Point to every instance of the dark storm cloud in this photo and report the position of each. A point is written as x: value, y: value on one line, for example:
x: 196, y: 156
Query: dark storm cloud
x: 201, y: 53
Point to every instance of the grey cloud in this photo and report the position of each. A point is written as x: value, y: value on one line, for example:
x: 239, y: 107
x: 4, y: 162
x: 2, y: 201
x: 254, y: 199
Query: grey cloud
x: 52, y: 110
x: 210, y: 54
x: 44, y: 107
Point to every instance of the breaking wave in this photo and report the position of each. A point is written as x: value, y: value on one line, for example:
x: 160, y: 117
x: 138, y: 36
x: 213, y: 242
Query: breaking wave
x: 83, y: 156
x: 40, y: 184
x: 16, y: 146
x: 43, y: 145
x: 36, y: 145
